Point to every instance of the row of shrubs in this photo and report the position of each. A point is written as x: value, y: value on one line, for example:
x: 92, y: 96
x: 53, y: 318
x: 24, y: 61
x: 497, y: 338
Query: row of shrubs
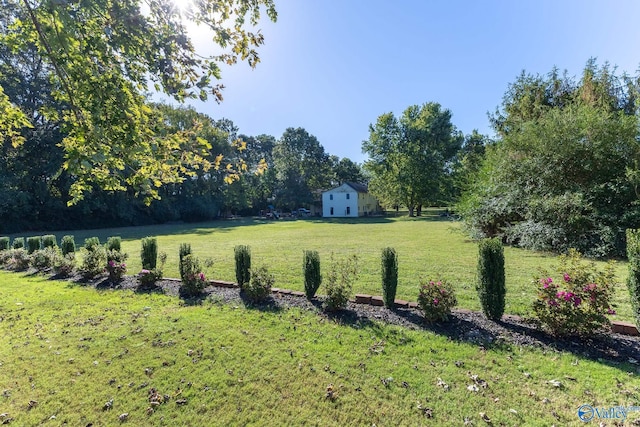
x: 576, y: 301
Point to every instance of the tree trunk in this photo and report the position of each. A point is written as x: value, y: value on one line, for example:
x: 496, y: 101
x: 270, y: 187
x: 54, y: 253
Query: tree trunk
x: 411, y: 208
x: 419, y: 210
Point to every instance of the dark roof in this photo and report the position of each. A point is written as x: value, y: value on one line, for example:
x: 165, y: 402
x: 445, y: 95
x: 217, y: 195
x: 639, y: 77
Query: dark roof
x: 360, y: 188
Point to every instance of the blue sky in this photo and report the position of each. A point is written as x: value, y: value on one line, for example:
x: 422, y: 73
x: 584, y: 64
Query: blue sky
x: 333, y: 66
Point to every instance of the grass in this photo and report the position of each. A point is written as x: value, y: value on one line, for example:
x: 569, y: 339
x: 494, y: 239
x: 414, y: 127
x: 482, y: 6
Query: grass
x: 71, y: 349
x: 427, y: 247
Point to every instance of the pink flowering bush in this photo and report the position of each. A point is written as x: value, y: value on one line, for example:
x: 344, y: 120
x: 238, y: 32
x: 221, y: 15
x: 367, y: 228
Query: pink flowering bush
x: 436, y: 299
x: 194, y: 280
x: 578, y: 300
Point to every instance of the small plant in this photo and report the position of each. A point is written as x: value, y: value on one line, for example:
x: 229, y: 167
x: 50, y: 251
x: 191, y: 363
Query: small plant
x: 185, y: 249
x: 389, y: 264
x: 19, y: 260
x: 68, y: 245
x: 149, y: 253
x: 114, y: 243
x: 64, y: 265
x: 339, y: 283
x: 491, y: 281
x: 33, y: 244
x: 194, y: 280
x: 148, y: 278
x: 18, y: 243
x: 4, y: 243
x: 312, y: 276
x: 578, y: 300
x: 116, y: 266
x: 44, y: 259
x: 633, y: 281
x: 94, y: 258
x: 242, y: 254
x: 49, y: 241
x: 259, y: 287
x: 436, y: 299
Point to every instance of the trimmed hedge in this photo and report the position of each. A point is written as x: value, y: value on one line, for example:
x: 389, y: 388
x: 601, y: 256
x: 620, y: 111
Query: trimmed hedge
x: 149, y: 253
x: 68, y: 245
x: 33, y: 244
x: 491, y: 280
x: 389, y: 264
x: 242, y: 255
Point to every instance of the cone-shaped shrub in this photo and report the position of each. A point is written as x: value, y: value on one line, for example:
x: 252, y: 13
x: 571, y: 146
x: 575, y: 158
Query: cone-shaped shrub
x: 49, y: 241
x: 114, y: 243
x: 68, y: 245
x: 149, y: 253
x: 90, y: 243
x: 633, y: 281
x: 33, y: 244
x: 389, y: 264
x: 312, y: 276
x: 242, y: 255
x: 18, y: 242
x: 491, y: 282
x: 185, y: 249
x: 4, y: 243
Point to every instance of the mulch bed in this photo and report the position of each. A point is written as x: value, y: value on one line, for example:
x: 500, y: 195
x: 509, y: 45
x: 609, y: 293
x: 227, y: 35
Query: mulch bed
x: 464, y: 325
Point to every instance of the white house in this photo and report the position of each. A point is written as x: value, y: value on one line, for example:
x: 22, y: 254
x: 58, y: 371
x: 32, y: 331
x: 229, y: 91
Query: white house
x: 348, y: 200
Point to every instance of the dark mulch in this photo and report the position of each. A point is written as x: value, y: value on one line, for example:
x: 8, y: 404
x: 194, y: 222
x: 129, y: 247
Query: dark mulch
x: 463, y: 326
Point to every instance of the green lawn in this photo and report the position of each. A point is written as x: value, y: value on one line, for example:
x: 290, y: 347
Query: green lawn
x: 69, y: 349
x: 427, y: 247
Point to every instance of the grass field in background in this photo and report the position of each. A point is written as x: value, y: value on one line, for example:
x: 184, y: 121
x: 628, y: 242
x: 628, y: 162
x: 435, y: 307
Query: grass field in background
x: 428, y: 247
x: 66, y: 350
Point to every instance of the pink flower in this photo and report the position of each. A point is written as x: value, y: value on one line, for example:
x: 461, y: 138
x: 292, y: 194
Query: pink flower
x: 553, y: 302
x: 202, y: 277
x: 566, y: 277
x: 577, y: 301
x: 560, y: 294
x: 435, y: 301
x: 611, y: 311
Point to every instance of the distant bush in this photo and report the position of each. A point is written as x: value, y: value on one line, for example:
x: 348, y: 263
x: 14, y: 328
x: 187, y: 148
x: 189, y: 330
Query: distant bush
x: 259, y: 286
x: 116, y: 266
x: 148, y: 278
x: 49, y: 241
x: 20, y: 260
x: 194, y: 280
x: 491, y: 280
x: 4, y: 243
x: 185, y: 249
x: 68, y: 245
x: 94, y: 258
x: 339, y: 283
x: 579, y: 302
x: 33, y: 244
x: 242, y: 255
x: 389, y: 268
x: 436, y: 299
x: 64, y: 265
x: 312, y: 276
x: 633, y: 281
x: 44, y: 259
x: 18, y: 242
x: 114, y: 243
x: 149, y: 253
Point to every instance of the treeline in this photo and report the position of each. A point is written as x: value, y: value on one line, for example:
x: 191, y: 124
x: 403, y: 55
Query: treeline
x: 565, y: 169
x: 288, y: 173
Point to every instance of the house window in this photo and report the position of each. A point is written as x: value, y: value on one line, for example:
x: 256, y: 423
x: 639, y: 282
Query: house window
x: 330, y: 196
x: 348, y: 196
x: 348, y: 209
x: 331, y: 212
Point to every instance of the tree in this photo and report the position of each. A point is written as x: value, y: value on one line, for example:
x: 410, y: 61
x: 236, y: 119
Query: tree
x: 411, y: 158
x: 101, y: 56
x: 345, y: 170
x: 562, y: 174
x: 301, y: 166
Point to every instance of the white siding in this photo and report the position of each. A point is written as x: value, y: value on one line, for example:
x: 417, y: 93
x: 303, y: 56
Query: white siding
x: 344, y: 202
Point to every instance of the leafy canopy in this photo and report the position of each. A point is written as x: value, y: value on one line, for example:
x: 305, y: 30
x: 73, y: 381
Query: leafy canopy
x: 102, y: 57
